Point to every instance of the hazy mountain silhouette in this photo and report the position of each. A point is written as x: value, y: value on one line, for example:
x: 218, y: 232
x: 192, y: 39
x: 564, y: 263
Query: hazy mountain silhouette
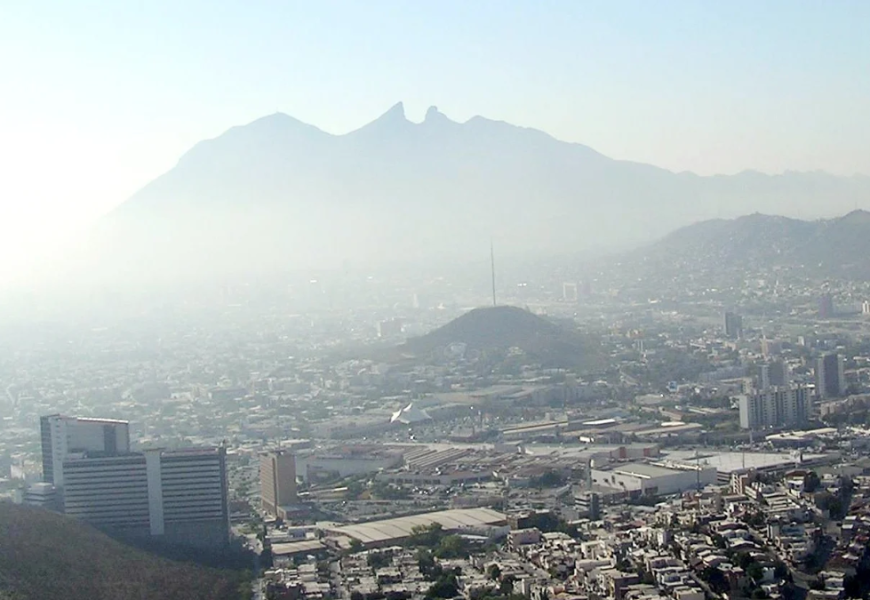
x: 495, y: 330
x: 279, y: 193
x: 838, y: 246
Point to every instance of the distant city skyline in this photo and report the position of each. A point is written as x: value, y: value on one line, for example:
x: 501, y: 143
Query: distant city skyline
x: 99, y: 100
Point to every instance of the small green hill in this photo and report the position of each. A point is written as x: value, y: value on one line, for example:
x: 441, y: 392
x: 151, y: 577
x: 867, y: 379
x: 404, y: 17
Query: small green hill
x: 499, y: 328
x: 46, y: 556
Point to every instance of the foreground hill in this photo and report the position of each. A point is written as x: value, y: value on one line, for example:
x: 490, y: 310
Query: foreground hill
x: 278, y: 194
x: 829, y: 247
x: 497, y: 330
x: 44, y: 555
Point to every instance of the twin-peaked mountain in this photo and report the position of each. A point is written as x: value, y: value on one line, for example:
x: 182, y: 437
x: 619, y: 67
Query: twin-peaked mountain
x: 280, y: 194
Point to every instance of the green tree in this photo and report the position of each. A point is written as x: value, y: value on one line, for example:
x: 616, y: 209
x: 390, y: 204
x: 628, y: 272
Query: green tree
x: 506, y: 587
x: 426, y: 535
x: 493, y: 572
x: 425, y: 562
x: 445, y: 587
x: 378, y: 560
x: 811, y: 482
x: 452, y: 546
x: 755, y: 571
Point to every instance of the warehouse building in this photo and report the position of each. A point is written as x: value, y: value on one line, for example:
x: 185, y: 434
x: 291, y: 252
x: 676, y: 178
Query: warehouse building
x: 374, y: 534
x: 654, y: 479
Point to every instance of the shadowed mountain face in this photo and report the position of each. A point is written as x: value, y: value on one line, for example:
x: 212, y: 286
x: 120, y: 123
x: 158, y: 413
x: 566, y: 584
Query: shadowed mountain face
x: 280, y: 194
x: 44, y: 555
x: 830, y: 247
x: 497, y: 330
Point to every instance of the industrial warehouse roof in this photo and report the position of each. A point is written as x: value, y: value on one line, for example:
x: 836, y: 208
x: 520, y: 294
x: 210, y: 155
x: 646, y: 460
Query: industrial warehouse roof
x: 375, y: 532
x: 300, y: 547
x: 729, y: 462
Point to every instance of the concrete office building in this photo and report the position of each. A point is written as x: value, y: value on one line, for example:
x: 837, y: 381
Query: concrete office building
x: 179, y: 496
x: 277, y: 481
x: 733, y: 326
x: 62, y: 436
x: 775, y: 407
x: 830, y: 376
x: 773, y: 374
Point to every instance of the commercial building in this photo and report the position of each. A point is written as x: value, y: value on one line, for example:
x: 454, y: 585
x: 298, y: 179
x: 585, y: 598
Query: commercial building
x: 775, y: 407
x: 179, y: 496
x: 654, y: 479
x: 588, y: 504
x: 277, y: 481
x: 342, y: 461
x: 826, y: 306
x: 62, y: 436
x: 733, y: 325
x: 773, y: 374
x: 830, y: 376
x: 42, y: 495
x: 389, y: 532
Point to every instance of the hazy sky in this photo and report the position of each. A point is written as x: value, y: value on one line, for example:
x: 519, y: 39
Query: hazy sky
x: 98, y: 97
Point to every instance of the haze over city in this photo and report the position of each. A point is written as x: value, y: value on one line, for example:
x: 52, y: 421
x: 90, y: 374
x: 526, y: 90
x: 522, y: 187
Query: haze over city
x: 435, y: 300
x: 102, y: 99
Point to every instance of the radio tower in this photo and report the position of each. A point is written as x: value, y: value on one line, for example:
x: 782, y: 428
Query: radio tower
x: 492, y: 267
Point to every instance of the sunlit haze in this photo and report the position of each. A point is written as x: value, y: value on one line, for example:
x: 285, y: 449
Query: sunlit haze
x: 100, y: 98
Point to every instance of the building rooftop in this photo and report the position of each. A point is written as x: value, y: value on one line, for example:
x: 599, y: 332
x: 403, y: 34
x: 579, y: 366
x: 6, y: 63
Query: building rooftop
x: 376, y: 532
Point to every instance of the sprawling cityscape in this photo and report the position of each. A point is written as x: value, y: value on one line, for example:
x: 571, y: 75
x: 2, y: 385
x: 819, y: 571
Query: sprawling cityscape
x: 604, y: 437
x: 454, y: 300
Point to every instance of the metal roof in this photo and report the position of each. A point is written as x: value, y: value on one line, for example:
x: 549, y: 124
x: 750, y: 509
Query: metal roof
x: 400, y: 527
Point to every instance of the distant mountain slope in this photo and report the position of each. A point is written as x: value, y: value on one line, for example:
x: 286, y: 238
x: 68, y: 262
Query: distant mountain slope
x: 44, y: 555
x: 279, y: 194
x: 497, y: 329
x: 838, y: 246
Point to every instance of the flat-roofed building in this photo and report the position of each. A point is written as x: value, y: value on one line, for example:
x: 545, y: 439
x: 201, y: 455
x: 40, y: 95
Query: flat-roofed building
x: 775, y: 407
x: 655, y: 479
x: 277, y: 481
x: 389, y: 532
x: 179, y: 496
x: 62, y: 435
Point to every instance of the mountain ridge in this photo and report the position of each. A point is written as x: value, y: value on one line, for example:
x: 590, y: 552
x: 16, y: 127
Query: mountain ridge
x: 837, y: 246
x: 279, y: 191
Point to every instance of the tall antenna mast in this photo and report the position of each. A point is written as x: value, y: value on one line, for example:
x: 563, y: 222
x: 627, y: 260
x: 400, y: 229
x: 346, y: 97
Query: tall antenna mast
x: 492, y: 265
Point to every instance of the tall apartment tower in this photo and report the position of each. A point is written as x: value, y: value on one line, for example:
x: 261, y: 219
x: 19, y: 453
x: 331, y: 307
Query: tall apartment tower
x: 277, y: 481
x: 775, y: 407
x: 826, y: 306
x: 830, y: 376
x: 773, y: 374
x: 179, y: 496
x: 733, y: 325
x: 62, y: 436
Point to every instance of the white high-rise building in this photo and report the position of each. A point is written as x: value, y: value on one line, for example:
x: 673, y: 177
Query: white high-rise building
x: 179, y: 495
x: 775, y: 407
x: 62, y: 436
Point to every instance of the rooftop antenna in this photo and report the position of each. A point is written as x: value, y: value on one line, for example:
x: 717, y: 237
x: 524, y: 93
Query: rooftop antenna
x: 492, y: 266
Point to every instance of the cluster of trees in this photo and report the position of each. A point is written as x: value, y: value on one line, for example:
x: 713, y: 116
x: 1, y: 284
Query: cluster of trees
x: 442, y: 545
x: 549, y: 522
x: 548, y: 479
